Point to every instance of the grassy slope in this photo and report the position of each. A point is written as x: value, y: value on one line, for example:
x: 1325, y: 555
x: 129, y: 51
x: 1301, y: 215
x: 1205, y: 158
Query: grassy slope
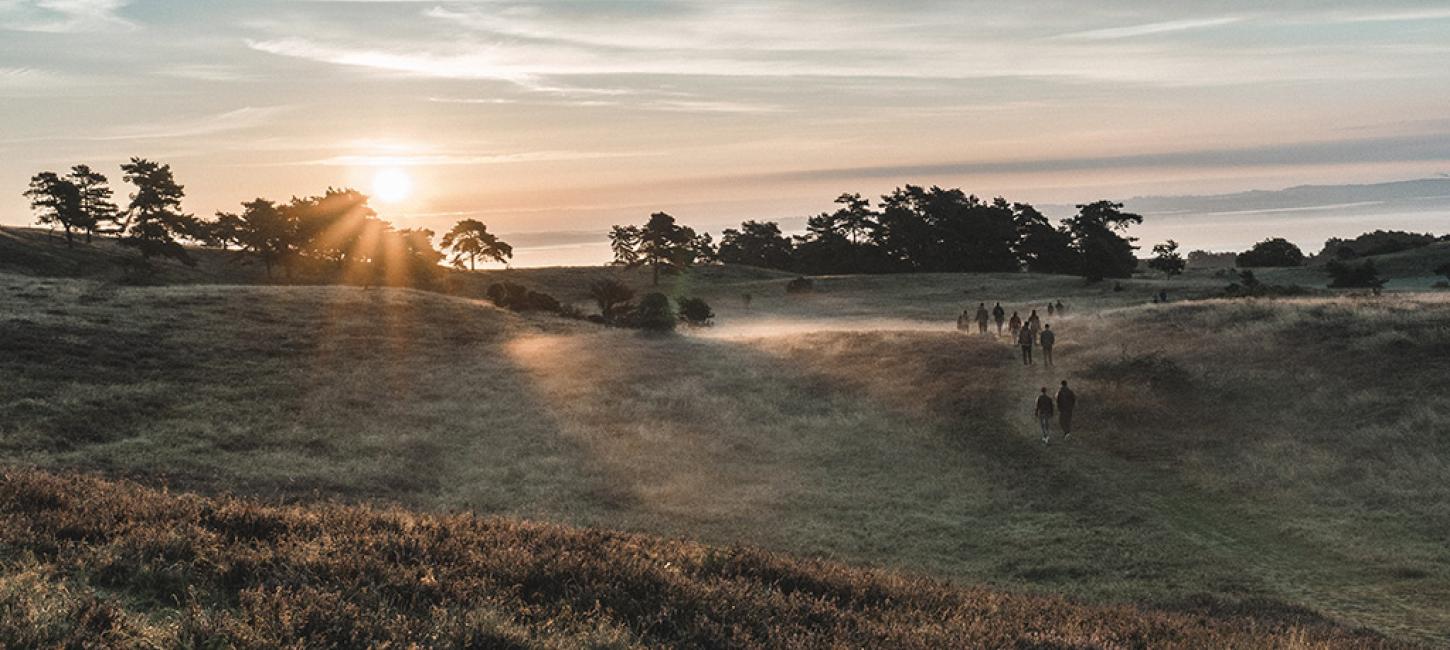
x: 907, y: 449
x: 92, y: 563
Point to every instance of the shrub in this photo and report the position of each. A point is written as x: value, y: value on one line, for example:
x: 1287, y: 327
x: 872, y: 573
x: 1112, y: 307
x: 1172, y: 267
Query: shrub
x: 1151, y: 369
x: 654, y: 313
x: 800, y: 285
x: 1379, y: 242
x: 695, y: 312
x: 612, y: 297
x: 516, y: 297
x: 1249, y: 286
x: 1354, y: 276
x: 1275, y: 252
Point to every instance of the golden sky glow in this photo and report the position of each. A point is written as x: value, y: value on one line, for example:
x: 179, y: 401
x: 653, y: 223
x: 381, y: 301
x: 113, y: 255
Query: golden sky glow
x: 551, y: 120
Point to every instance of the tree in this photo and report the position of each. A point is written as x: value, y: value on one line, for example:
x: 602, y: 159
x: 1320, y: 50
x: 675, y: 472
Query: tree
x: 655, y: 314
x: 338, y: 226
x: 155, y: 222
x: 1443, y: 269
x: 1095, y: 232
x: 1166, y: 259
x: 1041, y: 247
x: 262, y: 229
x: 96, y: 204
x: 1273, y: 252
x: 1354, y: 276
x: 613, y: 298
x: 661, y: 244
x: 57, y: 202
x: 471, y: 239
x: 756, y: 243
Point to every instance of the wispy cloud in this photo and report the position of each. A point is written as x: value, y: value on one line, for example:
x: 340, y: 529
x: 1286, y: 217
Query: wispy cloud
x: 1151, y: 29
x: 455, y: 159
x: 64, y: 16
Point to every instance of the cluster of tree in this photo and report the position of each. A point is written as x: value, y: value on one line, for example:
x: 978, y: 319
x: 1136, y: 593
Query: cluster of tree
x: 916, y: 229
x: 661, y: 244
x: 654, y: 311
x: 1167, y: 260
x: 1344, y: 275
x: 1271, y: 253
x: 1201, y: 259
x: 1379, y: 242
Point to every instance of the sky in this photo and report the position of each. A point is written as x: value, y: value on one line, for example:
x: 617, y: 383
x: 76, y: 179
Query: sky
x: 551, y: 120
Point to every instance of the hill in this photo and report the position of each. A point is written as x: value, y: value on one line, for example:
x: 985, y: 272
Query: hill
x: 90, y: 562
x: 1244, y: 452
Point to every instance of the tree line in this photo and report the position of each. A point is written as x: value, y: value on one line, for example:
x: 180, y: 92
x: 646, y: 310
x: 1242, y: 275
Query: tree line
x: 336, y: 231
x: 915, y: 229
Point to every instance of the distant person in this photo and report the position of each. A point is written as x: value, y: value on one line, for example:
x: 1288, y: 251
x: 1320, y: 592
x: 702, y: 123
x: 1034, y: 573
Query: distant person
x: 1061, y: 308
x: 1034, y: 323
x: 982, y: 317
x: 1051, y: 311
x: 1047, y: 340
x: 747, y: 298
x: 1026, y: 338
x: 962, y: 321
x: 1015, y: 325
x: 1066, y: 402
x: 1000, y: 315
x: 1163, y: 296
x: 1044, y: 414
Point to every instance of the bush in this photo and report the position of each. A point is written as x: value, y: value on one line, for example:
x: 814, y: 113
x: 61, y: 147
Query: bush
x: 612, y: 297
x: 800, y: 285
x: 654, y: 313
x: 1276, y: 252
x: 1151, y: 369
x: 1379, y: 242
x: 516, y: 297
x: 1249, y: 286
x: 1354, y: 276
x: 696, y: 312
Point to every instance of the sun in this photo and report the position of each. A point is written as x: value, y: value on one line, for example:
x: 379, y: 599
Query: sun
x: 392, y: 185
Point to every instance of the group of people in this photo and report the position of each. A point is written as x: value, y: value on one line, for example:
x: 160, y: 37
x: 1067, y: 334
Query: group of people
x: 1061, y: 406
x: 1028, y: 333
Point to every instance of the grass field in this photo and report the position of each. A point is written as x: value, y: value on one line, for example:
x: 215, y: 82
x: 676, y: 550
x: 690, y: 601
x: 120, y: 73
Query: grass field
x: 1277, y: 455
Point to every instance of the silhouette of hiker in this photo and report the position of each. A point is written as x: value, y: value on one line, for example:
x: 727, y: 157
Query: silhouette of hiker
x: 1066, y: 402
x: 1163, y: 296
x: 962, y: 321
x: 1015, y: 325
x: 746, y: 298
x: 999, y: 315
x: 1025, y: 339
x: 1047, y: 340
x: 1051, y: 311
x: 982, y: 317
x: 1061, y: 308
x: 1044, y: 414
x: 1034, y: 323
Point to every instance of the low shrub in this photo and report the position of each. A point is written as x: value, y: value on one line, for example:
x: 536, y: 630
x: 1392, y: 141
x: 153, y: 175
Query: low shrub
x: 1354, y: 276
x: 800, y: 285
x: 696, y: 312
x: 516, y: 297
x: 654, y: 313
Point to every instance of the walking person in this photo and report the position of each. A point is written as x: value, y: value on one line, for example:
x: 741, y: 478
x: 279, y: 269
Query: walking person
x: 1061, y: 308
x: 1051, y: 311
x: 982, y: 317
x: 962, y: 321
x: 1034, y: 323
x: 1044, y: 414
x: 1015, y: 325
x: 999, y: 314
x: 1066, y: 402
x: 1026, y: 338
x: 1047, y: 339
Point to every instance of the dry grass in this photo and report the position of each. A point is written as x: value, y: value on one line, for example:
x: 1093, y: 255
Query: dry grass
x: 1303, y: 462
x: 106, y: 564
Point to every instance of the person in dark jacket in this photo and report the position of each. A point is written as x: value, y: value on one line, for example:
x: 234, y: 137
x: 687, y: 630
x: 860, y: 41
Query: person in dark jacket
x: 1047, y: 339
x: 982, y: 317
x: 1033, y: 323
x: 1000, y: 315
x: 1015, y: 325
x: 1044, y: 414
x: 962, y: 321
x: 1026, y: 338
x: 1061, y: 308
x: 1051, y: 311
x: 1066, y: 402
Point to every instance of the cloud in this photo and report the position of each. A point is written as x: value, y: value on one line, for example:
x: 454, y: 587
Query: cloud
x: 455, y: 159
x: 1150, y: 29
x: 64, y: 16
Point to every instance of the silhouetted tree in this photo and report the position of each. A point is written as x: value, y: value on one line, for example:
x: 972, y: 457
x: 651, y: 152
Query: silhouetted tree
x: 57, y: 202
x: 262, y: 229
x: 703, y: 250
x: 612, y: 297
x: 661, y: 244
x: 471, y: 239
x: 1041, y: 247
x: 1274, y: 252
x: 155, y: 222
x: 100, y: 212
x: 756, y: 243
x: 1104, y: 252
x: 339, y: 226
x: 695, y: 312
x: 1166, y: 259
x: 1354, y: 276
